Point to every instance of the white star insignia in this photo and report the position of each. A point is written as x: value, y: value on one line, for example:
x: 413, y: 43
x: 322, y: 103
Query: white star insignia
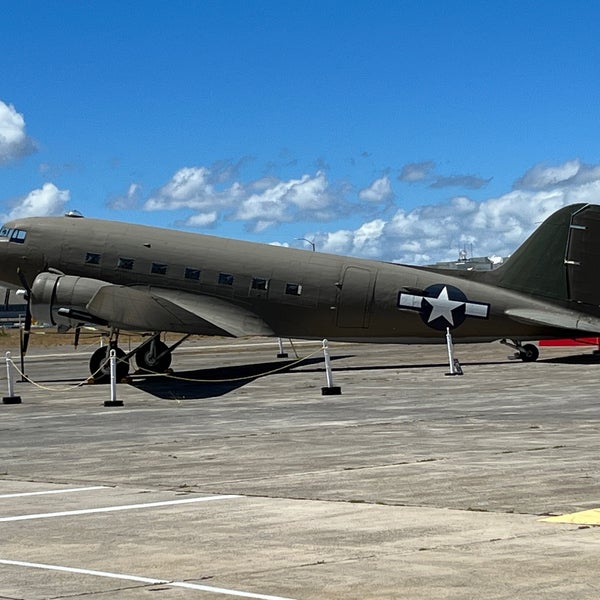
x: 442, y: 306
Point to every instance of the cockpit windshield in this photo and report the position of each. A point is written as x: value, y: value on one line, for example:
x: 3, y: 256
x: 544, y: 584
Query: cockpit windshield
x: 13, y: 235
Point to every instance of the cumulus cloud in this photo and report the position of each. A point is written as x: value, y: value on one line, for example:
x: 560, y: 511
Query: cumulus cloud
x: 261, y: 203
x: 379, y: 191
x: 45, y: 201
x: 190, y: 187
x: 494, y: 227
x: 14, y: 142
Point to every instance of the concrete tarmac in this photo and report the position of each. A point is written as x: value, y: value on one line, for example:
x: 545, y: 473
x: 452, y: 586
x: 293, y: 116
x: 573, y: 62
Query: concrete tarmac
x: 410, y: 484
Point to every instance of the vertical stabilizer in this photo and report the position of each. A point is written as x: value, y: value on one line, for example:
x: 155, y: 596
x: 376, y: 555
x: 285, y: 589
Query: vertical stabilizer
x: 560, y: 260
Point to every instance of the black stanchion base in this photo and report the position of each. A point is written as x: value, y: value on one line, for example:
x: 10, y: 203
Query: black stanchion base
x: 453, y: 374
x: 11, y: 400
x: 113, y: 403
x: 282, y: 355
x: 334, y: 390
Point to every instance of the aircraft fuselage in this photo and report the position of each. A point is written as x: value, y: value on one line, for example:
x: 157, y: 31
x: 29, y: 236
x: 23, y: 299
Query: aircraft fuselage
x: 296, y: 293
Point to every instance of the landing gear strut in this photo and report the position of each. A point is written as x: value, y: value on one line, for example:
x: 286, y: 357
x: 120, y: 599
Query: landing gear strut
x: 152, y: 356
x: 526, y: 352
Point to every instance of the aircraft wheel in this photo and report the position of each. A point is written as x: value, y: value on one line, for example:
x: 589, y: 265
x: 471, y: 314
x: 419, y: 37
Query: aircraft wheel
x: 529, y: 353
x: 149, y: 357
x: 100, y: 365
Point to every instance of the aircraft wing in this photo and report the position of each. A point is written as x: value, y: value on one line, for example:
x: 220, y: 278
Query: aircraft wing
x: 561, y: 319
x: 157, y: 309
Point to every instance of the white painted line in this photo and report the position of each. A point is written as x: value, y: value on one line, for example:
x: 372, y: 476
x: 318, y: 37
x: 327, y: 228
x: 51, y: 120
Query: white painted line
x: 105, y: 509
x: 148, y: 580
x: 63, y: 491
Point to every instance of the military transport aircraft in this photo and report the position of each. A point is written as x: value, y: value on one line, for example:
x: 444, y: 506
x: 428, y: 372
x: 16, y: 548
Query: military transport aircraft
x: 138, y: 278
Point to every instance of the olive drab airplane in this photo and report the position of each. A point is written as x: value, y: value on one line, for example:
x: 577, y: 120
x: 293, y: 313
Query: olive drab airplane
x: 153, y: 280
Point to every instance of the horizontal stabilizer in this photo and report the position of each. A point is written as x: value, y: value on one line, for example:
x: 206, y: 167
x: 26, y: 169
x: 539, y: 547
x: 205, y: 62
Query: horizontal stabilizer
x: 563, y: 319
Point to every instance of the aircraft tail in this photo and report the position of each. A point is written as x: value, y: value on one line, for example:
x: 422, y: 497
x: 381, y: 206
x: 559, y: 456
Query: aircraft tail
x: 560, y: 261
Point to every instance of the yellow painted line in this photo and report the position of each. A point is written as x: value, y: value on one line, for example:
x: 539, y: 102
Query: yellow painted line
x: 585, y: 517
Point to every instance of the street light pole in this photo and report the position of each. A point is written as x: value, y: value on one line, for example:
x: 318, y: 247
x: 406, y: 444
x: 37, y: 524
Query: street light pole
x: 312, y: 244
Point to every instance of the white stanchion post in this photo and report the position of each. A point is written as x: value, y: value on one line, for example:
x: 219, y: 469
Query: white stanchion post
x: 330, y: 390
x: 455, y: 368
x: 11, y: 398
x: 113, y: 380
x: 282, y: 353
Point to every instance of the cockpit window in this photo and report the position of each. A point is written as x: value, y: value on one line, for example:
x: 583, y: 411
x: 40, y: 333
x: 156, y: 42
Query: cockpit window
x: 13, y: 235
x: 18, y: 235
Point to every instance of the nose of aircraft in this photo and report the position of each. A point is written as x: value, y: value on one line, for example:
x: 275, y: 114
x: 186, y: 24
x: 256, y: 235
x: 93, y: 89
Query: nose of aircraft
x: 18, y: 253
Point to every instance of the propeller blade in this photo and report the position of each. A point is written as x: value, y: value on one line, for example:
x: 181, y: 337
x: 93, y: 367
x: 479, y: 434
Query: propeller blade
x: 26, y: 330
x: 24, y: 282
x: 77, y: 334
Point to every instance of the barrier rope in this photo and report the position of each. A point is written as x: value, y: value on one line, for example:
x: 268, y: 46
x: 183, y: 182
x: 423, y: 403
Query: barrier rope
x: 86, y: 381
x: 54, y: 388
x: 234, y: 379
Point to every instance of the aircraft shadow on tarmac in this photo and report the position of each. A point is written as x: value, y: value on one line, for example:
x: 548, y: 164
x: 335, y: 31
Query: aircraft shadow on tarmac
x: 210, y: 383
x: 576, y: 359
x: 214, y: 382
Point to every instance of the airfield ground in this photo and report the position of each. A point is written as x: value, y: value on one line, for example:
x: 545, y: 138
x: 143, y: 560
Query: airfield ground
x: 409, y: 484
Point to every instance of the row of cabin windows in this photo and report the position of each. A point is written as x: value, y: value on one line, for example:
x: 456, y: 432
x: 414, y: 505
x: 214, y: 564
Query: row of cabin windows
x: 257, y: 283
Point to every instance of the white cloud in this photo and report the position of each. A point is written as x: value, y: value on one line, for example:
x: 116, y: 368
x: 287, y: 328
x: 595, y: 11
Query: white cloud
x: 48, y: 200
x: 543, y: 176
x: 188, y: 188
x: 278, y: 201
x: 202, y: 219
x: 262, y: 203
x: 495, y: 227
x: 14, y: 142
x: 379, y: 191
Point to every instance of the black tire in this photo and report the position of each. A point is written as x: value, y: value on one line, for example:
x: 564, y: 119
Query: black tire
x: 529, y: 353
x: 146, y: 358
x: 100, y: 365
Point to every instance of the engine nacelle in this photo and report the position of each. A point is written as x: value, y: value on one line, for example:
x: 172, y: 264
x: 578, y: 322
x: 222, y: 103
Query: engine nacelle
x: 51, y: 292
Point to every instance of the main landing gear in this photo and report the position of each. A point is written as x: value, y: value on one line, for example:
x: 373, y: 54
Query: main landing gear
x: 526, y: 352
x: 151, y: 356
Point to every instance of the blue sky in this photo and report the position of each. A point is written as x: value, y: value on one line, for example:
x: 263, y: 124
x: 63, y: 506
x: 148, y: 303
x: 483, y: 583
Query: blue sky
x: 396, y: 130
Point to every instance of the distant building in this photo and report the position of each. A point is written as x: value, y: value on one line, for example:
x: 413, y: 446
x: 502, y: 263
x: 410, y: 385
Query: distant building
x: 476, y: 263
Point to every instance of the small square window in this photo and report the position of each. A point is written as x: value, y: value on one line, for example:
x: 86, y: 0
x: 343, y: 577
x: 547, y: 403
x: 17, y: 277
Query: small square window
x: 191, y: 273
x: 91, y: 258
x: 260, y: 283
x: 225, y: 279
x: 158, y: 268
x: 125, y: 263
x: 293, y: 289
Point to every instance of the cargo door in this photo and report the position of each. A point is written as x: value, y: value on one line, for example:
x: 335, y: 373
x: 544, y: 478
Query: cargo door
x: 355, y: 297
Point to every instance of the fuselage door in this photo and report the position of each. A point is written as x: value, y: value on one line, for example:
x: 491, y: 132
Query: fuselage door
x: 356, y: 295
